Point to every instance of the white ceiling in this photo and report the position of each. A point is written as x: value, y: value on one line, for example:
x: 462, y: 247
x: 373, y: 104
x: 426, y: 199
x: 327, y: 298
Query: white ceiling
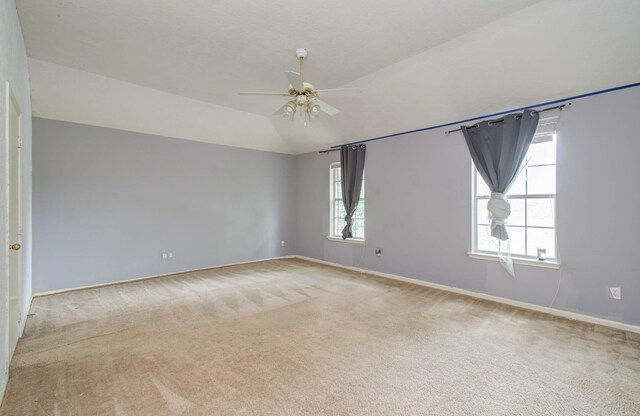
x: 63, y: 93
x: 417, y: 62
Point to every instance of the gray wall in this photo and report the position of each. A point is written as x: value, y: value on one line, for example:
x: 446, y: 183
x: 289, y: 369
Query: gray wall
x: 13, y: 69
x: 418, y: 210
x: 107, y: 203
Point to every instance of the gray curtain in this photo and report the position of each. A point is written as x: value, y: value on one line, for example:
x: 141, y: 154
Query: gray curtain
x: 498, y: 149
x: 352, y: 171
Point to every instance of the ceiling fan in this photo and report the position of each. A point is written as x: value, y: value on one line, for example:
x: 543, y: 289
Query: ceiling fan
x: 304, y: 98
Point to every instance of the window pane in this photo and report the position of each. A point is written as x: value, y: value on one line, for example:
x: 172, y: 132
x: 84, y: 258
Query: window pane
x: 516, y: 239
x: 516, y: 217
x: 519, y: 186
x: 536, y: 223
x: 481, y: 211
x: 542, y: 153
x: 541, y: 180
x: 517, y: 212
x: 360, y: 210
x: 339, y: 209
x: 338, y: 225
x: 484, y: 240
x: 481, y: 187
x: 357, y: 228
x: 541, y: 238
x: 487, y: 243
x: 540, y: 212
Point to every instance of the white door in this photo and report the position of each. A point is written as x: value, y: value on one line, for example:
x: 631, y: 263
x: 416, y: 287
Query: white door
x: 14, y: 262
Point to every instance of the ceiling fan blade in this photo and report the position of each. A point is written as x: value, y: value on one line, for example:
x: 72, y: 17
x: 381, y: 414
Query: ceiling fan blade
x: 295, y: 80
x: 338, y: 92
x: 264, y: 93
x: 329, y: 109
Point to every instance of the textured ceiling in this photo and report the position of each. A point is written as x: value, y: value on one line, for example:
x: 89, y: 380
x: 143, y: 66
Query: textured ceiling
x: 417, y: 62
x: 210, y: 50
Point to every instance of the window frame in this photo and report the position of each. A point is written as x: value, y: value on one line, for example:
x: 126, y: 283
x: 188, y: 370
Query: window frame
x: 518, y: 258
x: 332, y: 217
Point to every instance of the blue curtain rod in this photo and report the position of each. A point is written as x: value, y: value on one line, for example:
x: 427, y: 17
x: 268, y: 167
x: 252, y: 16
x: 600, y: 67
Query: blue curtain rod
x: 575, y: 97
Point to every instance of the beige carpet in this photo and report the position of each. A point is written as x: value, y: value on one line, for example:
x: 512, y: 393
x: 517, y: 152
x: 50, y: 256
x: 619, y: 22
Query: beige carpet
x: 289, y: 337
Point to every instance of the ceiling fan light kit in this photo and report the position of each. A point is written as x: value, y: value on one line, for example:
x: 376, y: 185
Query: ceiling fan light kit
x: 303, y: 97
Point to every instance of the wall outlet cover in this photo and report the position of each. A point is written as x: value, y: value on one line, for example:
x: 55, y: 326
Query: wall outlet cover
x: 615, y: 293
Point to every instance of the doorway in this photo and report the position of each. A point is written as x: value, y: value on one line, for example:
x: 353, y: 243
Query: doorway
x: 14, y: 215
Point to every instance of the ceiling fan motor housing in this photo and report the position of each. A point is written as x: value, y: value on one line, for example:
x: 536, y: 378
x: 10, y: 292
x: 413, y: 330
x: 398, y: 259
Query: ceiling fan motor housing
x: 301, y: 53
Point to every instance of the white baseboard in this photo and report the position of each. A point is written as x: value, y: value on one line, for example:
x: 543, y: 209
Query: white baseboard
x: 518, y: 304
x: 530, y: 306
x: 137, y: 279
x: 3, y: 385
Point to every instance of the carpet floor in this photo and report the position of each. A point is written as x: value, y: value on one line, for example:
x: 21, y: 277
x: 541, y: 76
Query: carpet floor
x: 290, y: 337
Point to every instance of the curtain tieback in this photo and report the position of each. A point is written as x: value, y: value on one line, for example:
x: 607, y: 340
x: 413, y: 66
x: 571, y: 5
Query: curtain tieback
x: 499, y: 209
x: 348, y: 220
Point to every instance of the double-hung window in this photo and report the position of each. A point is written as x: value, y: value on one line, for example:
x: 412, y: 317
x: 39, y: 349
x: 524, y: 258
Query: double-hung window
x: 532, y: 223
x: 337, y: 207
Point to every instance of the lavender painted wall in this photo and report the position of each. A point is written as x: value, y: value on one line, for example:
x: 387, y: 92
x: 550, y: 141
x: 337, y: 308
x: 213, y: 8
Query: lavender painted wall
x: 108, y: 202
x: 120, y: 199
x: 418, y: 210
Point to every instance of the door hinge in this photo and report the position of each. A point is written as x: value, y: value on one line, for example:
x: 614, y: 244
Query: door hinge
x: 19, y: 142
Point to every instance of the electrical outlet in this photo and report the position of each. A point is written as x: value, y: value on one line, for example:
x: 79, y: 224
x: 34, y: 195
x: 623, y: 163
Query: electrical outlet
x: 164, y: 256
x: 282, y: 243
x: 378, y: 252
x: 615, y: 293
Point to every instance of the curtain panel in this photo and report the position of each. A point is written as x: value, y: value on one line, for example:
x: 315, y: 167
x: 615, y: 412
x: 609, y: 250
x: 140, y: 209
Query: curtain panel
x: 498, y: 148
x: 352, y: 171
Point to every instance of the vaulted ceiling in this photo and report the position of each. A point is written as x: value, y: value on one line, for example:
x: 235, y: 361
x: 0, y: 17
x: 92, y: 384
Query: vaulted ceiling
x: 174, y: 68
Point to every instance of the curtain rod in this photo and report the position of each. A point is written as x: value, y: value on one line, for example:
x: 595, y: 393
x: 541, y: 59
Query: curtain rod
x: 338, y: 148
x: 575, y: 97
x: 556, y: 107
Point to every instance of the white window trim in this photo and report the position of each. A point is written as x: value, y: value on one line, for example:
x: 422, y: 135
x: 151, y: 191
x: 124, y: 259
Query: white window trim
x: 348, y: 240
x: 331, y: 237
x: 548, y: 264
x: 331, y: 192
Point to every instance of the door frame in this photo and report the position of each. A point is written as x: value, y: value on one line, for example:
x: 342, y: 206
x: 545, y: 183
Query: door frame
x: 11, y: 101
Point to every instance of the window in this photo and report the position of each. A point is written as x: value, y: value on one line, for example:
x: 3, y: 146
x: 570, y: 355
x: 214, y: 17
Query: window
x: 337, y: 207
x: 532, y: 224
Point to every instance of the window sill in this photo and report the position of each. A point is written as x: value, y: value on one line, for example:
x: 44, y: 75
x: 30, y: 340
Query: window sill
x: 348, y: 240
x: 527, y: 262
